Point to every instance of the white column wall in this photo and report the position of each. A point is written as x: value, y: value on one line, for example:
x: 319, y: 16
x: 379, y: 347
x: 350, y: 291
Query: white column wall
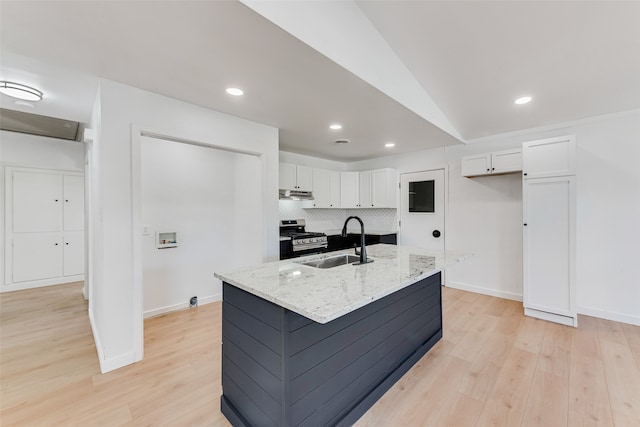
x: 123, y: 111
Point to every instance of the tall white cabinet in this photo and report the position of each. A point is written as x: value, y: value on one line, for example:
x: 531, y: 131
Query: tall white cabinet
x: 44, y: 227
x: 549, y: 224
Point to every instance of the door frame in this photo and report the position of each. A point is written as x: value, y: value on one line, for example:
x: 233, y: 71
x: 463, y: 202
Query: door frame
x: 445, y: 170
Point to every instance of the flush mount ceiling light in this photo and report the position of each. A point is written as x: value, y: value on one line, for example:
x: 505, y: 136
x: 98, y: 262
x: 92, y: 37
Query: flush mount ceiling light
x: 20, y: 91
x: 390, y: 144
x: 335, y: 127
x: 523, y: 100
x: 234, y: 91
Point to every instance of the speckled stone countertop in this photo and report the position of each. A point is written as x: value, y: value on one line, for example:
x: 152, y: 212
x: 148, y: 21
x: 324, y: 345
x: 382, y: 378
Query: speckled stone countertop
x: 323, y: 295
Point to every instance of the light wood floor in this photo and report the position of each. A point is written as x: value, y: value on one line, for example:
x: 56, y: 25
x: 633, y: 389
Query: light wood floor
x: 493, y: 367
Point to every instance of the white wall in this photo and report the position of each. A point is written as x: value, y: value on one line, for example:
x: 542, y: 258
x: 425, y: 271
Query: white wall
x: 19, y: 149
x: 204, y: 195
x: 120, y: 114
x: 484, y: 214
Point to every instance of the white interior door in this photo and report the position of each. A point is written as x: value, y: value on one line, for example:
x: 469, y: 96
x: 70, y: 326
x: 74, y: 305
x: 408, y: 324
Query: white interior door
x: 37, y: 202
x: 73, y: 254
x: 73, y: 202
x: 422, y: 209
x: 36, y: 256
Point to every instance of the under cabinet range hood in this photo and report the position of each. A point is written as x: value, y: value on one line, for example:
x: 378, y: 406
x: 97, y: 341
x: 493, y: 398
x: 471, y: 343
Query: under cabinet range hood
x: 295, y: 195
x: 35, y: 124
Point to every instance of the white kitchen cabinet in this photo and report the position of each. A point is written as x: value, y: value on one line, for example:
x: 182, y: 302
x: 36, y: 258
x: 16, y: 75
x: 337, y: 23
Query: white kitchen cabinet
x: 295, y: 177
x: 349, y: 189
x: 549, y: 217
x: 549, y: 281
x: 497, y: 162
x: 549, y: 157
x: 364, y: 186
x: 44, y: 225
x: 384, y: 188
x: 369, y: 189
x: 326, y: 188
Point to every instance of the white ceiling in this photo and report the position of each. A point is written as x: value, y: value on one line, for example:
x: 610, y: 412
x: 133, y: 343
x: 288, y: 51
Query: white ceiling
x: 577, y: 59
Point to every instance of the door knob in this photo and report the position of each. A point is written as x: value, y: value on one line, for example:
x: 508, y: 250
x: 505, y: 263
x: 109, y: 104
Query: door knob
x: 436, y: 233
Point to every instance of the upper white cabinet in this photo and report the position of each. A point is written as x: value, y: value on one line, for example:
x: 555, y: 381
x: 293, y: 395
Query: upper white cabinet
x: 549, y: 157
x: 295, y: 177
x: 349, y: 189
x: 384, y: 189
x: 369, y: 189
x: 326, y: 188
x: 497, y: 162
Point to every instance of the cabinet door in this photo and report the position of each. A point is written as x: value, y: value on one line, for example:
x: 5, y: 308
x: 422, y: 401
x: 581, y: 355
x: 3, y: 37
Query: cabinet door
x: 37, y: 202
x: 36, y: 256
x: 287, y: 177
x: 304, y: 178
x: 73, y: 254
x: 384, y: 188
x: 549, y: 245
x: 73, y: 212
x: 334, y: 189
x: 349, y: 189
x: 506, y: 161
x: 320, y: 188
x: 479, y: 164
x: 549, y: 157
x: 365, y: 189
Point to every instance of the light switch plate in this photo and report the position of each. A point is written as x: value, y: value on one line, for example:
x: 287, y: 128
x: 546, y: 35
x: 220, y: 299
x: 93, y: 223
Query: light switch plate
x: 145, y: 230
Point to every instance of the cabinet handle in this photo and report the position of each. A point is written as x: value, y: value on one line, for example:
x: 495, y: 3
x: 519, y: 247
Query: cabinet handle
x: 525, y: 174
x: 493, y: 169
x: 67, y: 244
x: 525, y: 224
x: 67, y: 200
x: 56, y: 200
x: 56, y: 244
x: 487, y: 169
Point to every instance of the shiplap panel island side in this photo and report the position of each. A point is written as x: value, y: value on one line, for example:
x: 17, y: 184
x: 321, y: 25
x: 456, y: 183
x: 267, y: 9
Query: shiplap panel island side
x: 304, y: 346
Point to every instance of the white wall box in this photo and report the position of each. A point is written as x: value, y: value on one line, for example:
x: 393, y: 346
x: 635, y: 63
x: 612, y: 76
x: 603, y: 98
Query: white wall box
x: 549, y: 236
x: 369, y: 189
x: 326, y: 188
x: 549, y: 157
x: 295, y: 177
x: 498, y: 162
x: 44, y: 211
x: 167, y: 239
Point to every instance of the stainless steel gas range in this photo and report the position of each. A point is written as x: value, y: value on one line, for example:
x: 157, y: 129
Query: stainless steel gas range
x: 295, y: 241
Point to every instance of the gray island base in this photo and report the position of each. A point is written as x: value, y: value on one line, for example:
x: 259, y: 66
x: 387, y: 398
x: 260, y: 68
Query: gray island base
x: 282, y: 369
x: 306, y: 346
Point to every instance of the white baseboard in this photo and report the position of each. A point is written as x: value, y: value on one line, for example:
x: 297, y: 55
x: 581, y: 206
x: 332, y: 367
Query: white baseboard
x: 181, y: 306
x: 609, y: 315
x: 485, y: 291
x: 41, y: 283
x: 113, y: 363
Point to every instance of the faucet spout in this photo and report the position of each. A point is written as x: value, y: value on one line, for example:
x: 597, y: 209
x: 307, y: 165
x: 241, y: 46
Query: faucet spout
x: 363, y: 250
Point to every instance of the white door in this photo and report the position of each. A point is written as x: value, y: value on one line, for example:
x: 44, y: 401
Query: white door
x: 422, y: 209
x: 73, y: 202
x: 73, y: 254
x: 36, y: 256
x: 37, y: 202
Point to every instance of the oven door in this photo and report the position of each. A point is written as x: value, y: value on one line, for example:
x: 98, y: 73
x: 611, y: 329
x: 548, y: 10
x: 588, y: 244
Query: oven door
x: 286, y: 251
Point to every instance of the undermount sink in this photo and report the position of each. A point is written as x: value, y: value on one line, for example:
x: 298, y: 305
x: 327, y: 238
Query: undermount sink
x: 333, y: 261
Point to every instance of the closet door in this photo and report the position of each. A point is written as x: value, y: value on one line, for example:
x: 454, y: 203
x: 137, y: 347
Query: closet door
x: 37, y: 202
x: 73, y: 203
x: 36, y: 256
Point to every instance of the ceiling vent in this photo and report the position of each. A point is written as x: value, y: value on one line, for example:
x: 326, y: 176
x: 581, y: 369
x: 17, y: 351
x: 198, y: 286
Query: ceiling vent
x: 34, y: 124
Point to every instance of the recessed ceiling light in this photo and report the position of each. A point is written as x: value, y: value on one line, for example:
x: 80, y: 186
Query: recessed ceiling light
x: 20, y: 91
x: 234, y: 91
x: 390, y: 144
x: 523, y: 100
x: 335, y: 127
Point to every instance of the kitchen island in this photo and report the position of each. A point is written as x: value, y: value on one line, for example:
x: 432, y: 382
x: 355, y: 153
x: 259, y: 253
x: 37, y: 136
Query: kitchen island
x: 309, y: 346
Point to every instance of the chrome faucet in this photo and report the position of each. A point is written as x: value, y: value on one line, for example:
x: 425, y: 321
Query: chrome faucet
x: 363, y: 250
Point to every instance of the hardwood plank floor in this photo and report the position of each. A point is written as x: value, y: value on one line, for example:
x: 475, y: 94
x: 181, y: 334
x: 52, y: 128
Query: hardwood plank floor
x: 493, y: 367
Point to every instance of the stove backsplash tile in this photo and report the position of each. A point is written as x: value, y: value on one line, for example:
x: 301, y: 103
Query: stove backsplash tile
x: 333, y: 219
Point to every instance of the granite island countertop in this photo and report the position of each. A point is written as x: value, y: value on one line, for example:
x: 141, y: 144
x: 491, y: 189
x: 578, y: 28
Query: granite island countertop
x: 323, y: 295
